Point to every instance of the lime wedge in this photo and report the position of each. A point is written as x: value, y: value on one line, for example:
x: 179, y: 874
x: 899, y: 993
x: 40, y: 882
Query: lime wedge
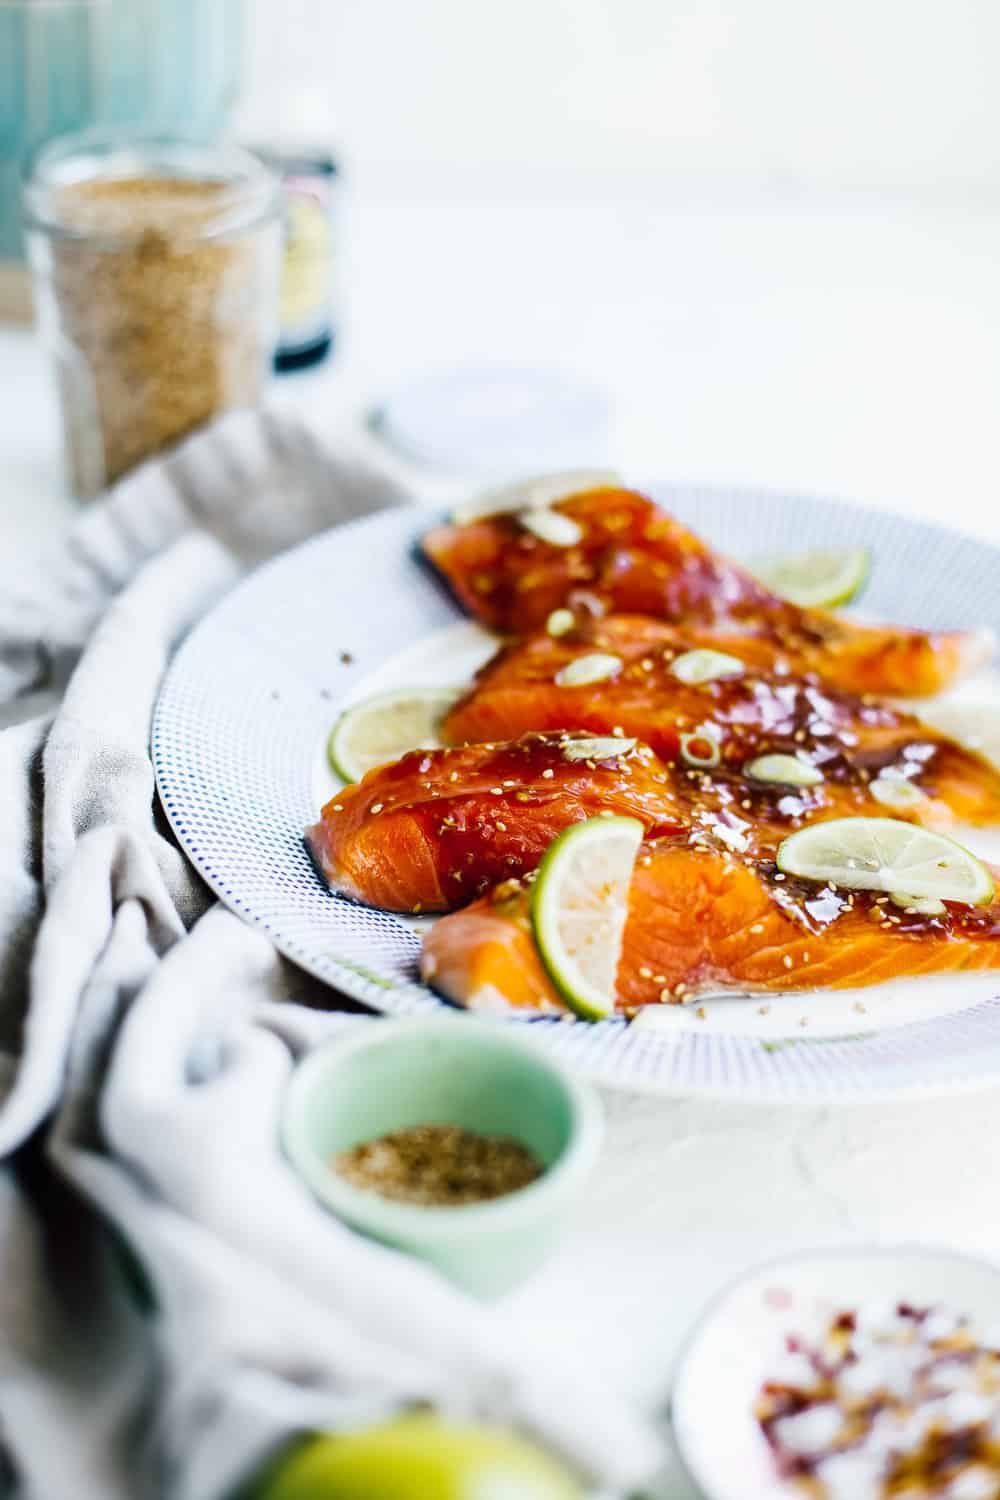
x: 382, y: 729
x: 537, y: 493
x: 579, y: 902
x: 819, y: 579
x: 885, y: 854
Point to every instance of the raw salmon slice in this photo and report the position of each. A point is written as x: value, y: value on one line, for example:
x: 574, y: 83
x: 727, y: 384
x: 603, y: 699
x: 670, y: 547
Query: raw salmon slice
x: 701, y: 923
x: 434, y: 829
x: 849, y: 739
x: 632, y: 557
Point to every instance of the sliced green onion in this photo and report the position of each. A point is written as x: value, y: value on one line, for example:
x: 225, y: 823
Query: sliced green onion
x: 701, y: 748
x: 785, y: 770
x: 552, y: 526
x: 560, y: 622
x: 924, y: 906
x: 603, y: 747
x: 596, y: 667
x: 894, y: 791
x: 696, y: 667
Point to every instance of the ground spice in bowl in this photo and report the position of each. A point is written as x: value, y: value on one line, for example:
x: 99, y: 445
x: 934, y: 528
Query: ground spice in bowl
x: 438, y: 1166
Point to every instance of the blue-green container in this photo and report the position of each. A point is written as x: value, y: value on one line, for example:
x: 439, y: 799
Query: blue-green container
x: 166, y: 66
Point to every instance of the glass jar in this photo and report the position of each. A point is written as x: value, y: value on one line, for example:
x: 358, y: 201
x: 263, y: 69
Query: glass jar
x: 155, y: 267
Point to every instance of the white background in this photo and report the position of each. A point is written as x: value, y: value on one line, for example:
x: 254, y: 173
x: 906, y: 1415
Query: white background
x: 862, y: 92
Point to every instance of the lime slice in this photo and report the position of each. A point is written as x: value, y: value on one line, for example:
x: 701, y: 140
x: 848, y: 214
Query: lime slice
x: 785, y: 770
x: 534, y: 494
x: 696, y: 667
x: 382, y: 729
x: 820, y: 579
x: 885, y: 854
x: 579, y: 902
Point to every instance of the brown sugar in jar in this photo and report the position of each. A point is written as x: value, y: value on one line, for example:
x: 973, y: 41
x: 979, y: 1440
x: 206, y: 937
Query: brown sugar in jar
x: 156, y: 275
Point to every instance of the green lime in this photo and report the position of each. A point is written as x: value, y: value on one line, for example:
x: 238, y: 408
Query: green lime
x: 579, y: 903
x: 382, y: 729
x: 417, y: 1457
x: 886, y: 854
x: 819, y: 579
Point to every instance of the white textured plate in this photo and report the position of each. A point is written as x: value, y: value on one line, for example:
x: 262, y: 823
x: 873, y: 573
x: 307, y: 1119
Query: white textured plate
x: 741, y: 1340
x: 238, y: 747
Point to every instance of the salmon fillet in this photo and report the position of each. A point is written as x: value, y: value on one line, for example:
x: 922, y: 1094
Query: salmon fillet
x: 434, y: 829
x: 700, y: 923
x: 849, y: 739
x: 632, y: 557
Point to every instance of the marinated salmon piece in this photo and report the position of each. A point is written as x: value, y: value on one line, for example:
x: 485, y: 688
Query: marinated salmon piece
x: 434, y: 829
x: 702, y: 923
x: 618, y: 552
x: 751, y: 710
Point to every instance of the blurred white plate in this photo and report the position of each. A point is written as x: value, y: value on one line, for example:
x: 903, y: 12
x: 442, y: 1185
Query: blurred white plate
x: 238, y: 747
x: 741, y: 1339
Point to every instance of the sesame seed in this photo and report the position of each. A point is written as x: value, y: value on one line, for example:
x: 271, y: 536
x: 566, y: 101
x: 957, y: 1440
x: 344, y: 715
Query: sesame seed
x: 548, y: 773
x: 501, y: 827
x: 665, y: 995
x: 659, y: 978
x: 779, y: 876
x: 453, y: 776
x: 338, y: 807
x: 680, y: 989
x: 377, y: 807
x: 645, y: 973
x: 496, y: 791
x: 757, y: 927
x: 618, y: 731
x: 787, y: 960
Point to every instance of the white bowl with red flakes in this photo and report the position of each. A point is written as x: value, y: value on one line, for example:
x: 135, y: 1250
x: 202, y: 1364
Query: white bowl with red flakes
x: 901, y: 1325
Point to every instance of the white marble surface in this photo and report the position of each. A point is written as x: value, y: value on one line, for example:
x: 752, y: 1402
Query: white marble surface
x: 840, y: 344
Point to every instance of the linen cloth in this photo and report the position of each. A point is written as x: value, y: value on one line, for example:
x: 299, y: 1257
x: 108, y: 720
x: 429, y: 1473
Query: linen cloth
x: 173, y: 1302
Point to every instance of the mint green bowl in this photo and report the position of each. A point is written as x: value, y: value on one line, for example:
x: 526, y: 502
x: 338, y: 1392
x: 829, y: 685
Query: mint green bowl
x: 387, y: 1075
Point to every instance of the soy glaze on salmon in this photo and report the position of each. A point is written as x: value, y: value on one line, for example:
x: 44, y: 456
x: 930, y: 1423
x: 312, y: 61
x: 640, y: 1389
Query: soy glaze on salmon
x: 751, y: 711
x: 436, y: 828
x: 620, y: 553
x: 700, y: 922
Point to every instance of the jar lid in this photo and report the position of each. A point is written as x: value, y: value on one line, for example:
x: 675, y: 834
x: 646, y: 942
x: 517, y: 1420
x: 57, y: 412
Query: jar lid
x: 112, y: 189
x: 498, y: 419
